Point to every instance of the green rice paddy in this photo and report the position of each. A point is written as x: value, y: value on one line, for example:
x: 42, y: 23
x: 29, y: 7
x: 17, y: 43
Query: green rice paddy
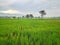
x: 29, y: 31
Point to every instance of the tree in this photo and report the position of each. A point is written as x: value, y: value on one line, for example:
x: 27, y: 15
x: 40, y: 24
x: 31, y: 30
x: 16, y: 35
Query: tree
x: 22, y: 16
x: 31, y: 15
x: 27, y: 16
x: 42, y: 12
x: 14, y: 17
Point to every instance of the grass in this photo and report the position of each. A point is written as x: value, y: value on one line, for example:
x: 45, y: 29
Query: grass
x: 29, y: 31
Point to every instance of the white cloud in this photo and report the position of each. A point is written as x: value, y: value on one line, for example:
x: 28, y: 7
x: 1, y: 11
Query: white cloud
x: 11, y: 12
x: 23, y: 1
x: 9, y: 2
x: 6, y: 2
x: 32, y: 1
x: 53, y: 13
x: 19, y: 12
x: 39, y: 1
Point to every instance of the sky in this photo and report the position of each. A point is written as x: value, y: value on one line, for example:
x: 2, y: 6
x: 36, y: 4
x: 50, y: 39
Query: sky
x: 23, y: 7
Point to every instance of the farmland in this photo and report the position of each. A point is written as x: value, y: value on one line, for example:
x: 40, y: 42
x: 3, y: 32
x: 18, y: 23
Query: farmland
x: 29, y: 31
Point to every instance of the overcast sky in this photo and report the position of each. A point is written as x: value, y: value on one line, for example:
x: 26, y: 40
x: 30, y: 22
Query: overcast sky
x: 23, y: 7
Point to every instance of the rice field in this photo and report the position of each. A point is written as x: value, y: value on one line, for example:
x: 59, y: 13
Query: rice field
x: 29, y: 31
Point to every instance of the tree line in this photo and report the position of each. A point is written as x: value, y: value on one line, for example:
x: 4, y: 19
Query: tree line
x: 42, y: 12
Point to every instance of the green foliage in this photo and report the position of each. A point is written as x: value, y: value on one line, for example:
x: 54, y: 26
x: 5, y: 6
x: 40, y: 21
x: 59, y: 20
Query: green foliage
x: 29, y: 31
x: 42, y: 12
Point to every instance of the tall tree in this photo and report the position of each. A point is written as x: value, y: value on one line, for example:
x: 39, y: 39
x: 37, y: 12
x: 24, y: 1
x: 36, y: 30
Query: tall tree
x: 42, y: 12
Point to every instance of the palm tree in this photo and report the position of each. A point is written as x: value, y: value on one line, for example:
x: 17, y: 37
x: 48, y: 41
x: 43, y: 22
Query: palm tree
x: 42, y: 12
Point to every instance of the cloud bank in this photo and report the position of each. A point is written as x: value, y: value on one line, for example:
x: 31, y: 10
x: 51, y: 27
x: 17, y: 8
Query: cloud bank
x: 10, y: 12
